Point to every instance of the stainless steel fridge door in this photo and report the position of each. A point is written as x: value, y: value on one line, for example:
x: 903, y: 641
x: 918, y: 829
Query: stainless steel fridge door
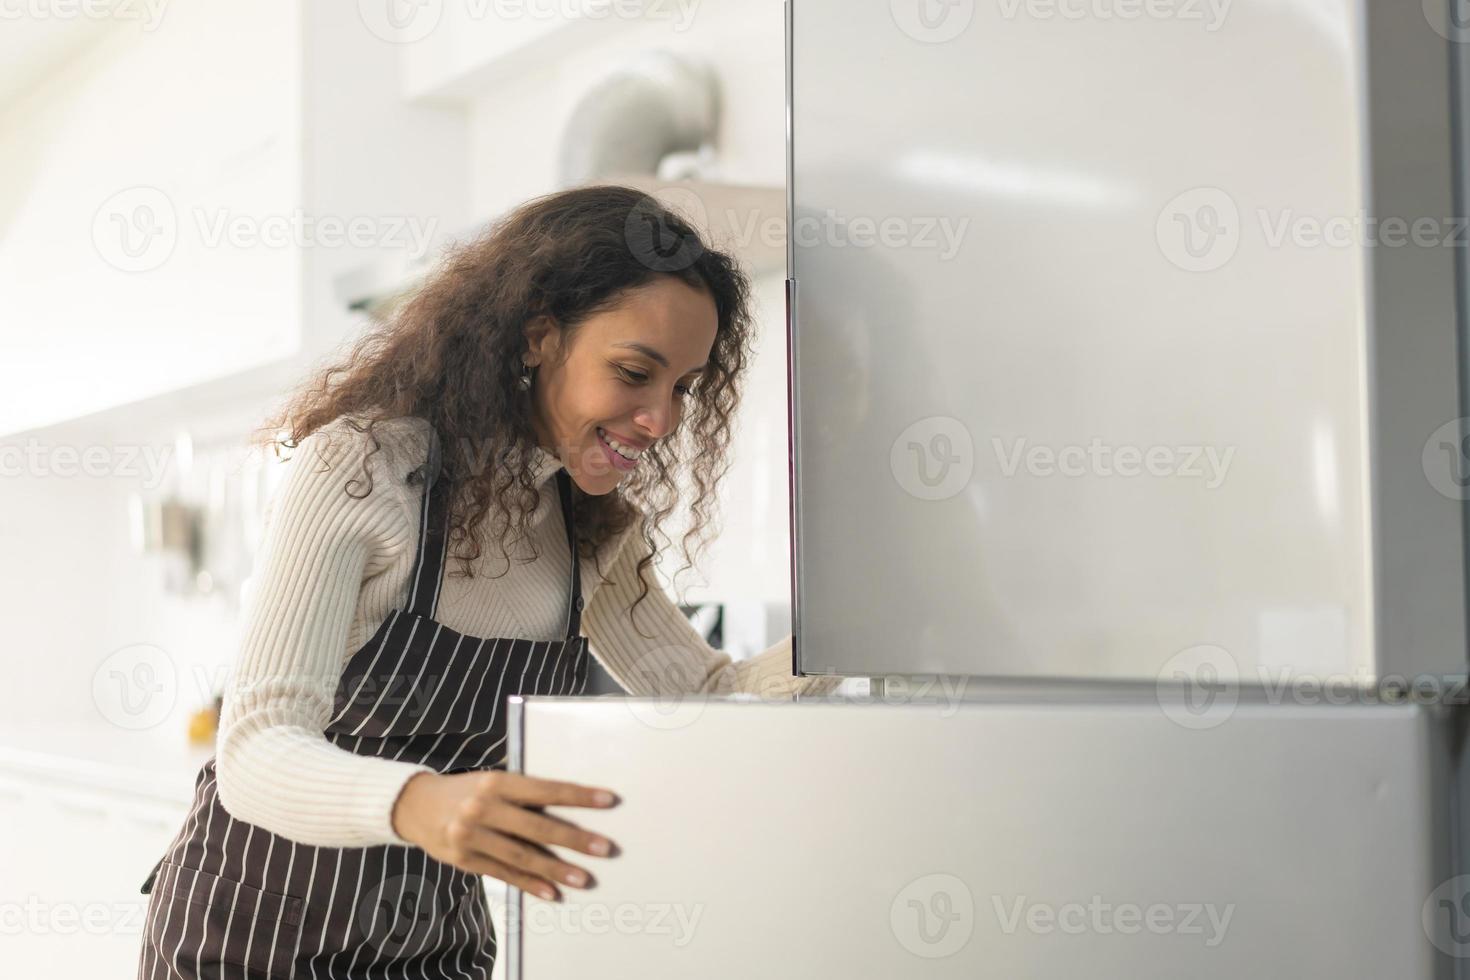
x: 1122, y: 329
x: 941, y: 839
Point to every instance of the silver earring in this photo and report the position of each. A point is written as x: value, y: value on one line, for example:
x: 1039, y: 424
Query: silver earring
x: 524, y: 381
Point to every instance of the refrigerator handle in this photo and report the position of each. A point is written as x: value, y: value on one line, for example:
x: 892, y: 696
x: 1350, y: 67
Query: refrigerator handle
x: 793, y: 480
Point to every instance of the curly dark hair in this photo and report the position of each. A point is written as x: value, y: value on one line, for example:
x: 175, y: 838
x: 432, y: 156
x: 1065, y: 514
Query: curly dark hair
x: 451, y: 354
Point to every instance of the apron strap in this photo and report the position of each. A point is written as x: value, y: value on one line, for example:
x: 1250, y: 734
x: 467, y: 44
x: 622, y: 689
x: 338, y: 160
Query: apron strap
x: 428, y: 568
x: 574, y: 598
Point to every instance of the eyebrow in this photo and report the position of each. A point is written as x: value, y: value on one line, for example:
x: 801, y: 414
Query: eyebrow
x: 649, y: 352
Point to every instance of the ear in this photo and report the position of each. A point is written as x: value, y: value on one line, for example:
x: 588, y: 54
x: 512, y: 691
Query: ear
x: 543, y: 337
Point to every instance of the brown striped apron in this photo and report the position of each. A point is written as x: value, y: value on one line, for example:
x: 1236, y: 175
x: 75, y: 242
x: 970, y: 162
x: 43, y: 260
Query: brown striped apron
x: 232, y: 900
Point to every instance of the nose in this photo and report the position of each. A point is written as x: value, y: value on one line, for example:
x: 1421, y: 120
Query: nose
x: 657, y: 420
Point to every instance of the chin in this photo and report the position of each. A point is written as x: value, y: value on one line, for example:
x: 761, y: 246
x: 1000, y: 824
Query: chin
x: 600, y: 485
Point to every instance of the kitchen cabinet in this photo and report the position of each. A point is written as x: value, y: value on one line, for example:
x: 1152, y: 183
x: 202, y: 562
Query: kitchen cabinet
x: 78, y: 844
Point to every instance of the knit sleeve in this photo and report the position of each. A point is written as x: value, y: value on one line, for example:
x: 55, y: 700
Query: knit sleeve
x: 673, y: 658
x: 275, y: 767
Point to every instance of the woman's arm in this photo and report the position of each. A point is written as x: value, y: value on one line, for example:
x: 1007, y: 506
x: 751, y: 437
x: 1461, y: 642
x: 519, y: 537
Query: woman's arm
x: 677, y: 660
x: 275, y: 767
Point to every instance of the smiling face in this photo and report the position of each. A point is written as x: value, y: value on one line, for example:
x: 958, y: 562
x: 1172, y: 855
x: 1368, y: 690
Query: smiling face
x: 624, y: 377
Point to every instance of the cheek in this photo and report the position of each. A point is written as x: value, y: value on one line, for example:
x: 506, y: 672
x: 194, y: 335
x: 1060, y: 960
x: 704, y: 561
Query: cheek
x: 613, y: 403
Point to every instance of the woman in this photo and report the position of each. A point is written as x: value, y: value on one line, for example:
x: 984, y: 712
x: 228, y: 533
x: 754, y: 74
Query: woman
x: 574, y: 359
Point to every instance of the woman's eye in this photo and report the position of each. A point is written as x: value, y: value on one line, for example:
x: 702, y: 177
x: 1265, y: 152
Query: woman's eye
x: 633, y: 377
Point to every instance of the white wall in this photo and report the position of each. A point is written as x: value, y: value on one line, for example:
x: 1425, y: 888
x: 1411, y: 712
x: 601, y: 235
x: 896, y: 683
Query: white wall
x: 119, y: 167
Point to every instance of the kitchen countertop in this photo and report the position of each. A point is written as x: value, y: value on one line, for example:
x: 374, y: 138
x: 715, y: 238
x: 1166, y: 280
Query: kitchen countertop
x: 158, y: 764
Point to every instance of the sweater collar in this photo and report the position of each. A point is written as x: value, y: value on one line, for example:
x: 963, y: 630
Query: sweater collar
x: 544, y: 465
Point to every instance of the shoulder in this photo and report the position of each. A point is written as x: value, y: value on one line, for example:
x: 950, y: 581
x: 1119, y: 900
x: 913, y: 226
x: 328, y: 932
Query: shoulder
x: 352, y: 477
x: 389, y: 447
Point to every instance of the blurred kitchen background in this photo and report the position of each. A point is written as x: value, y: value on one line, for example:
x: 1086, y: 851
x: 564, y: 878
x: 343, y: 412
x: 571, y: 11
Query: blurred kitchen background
x: 201, y: 202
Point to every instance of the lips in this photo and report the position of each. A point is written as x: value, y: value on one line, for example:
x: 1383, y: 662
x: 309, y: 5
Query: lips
x: 617, y: 459
x: 625, y: 441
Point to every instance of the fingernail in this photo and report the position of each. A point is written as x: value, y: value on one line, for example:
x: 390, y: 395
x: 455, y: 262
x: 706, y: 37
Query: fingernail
x: 603, y: 796
x: 575, y: 878
x: 546, y: 893
x: 600, y: 847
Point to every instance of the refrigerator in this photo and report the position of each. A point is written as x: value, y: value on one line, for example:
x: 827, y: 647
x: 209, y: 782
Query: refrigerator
x: 1128, y: 460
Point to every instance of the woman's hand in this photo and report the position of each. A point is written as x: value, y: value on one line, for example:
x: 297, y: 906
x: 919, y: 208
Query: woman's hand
x: 489, y: 822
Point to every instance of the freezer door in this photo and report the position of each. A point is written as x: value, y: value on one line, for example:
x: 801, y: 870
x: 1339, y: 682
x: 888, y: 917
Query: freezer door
x: 942, y: 839
x: 1116, y: 334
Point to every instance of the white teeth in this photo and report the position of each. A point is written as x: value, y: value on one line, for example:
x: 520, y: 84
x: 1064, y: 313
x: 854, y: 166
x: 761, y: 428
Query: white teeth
x: 628, y: 454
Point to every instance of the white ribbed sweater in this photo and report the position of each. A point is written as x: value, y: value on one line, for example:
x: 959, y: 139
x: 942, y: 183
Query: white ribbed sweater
x: 332, y: 567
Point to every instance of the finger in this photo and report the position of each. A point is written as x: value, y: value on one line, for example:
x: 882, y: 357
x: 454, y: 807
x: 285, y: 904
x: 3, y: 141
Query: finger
x: 545, y: 828
x: 527, y: 857
x: 520, y: 788
x: 482, y: 864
